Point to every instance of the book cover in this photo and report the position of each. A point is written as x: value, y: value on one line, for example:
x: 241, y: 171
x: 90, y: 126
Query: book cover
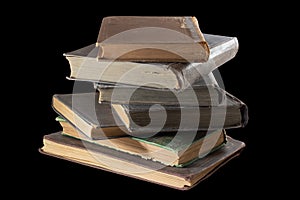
x: 152, y: 39
x: 208, y: 79
x: 67, y: 148
x: 170, y: 149
x: 231, y: 113
x: 86, y: 114
x: 202, y: 95
x: 85, y: 66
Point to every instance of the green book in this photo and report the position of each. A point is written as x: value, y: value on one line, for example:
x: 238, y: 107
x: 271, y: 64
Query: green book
x: 172, y: 149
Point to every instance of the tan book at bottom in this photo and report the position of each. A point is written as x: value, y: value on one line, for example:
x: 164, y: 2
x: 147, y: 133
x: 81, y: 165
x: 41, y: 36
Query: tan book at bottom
x: 111, y: 160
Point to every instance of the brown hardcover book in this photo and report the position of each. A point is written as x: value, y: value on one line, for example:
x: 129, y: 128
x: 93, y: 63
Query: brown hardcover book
x: 100, y: 120
x: 170, y: 149
x: 84, y: 66
x: 152, y: 39
x: 86, y: 114
x: 107, y: 159
x: 197, y: 95
x: 231, y: 113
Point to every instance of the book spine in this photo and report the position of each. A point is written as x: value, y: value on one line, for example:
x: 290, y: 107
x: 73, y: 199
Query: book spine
x: 193, y: 25
x: 243, y: 109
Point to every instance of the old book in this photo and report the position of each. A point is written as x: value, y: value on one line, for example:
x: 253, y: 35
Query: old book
x: 85, y: 113
x: 85, y: 66
x: 172, y: 149
x: 152, y: 39
x: 203, y: 95
x: 208, y: 79
x: 114, y: 161
x: 231, y: 113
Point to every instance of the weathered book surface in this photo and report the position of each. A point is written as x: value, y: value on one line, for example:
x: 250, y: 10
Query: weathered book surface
x: 85, y: 113
x: 172, y: 149
x: 231, y: 113
x: 107, y: 159
x: 152, y: 39
x: 84, y: 66
x: 208, y: 79
x: 197, y: 95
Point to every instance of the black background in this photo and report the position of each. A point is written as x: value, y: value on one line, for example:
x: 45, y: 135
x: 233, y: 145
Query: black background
x: 53, y: 29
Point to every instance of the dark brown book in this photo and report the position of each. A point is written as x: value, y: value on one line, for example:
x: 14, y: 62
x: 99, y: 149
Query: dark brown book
x: 152, y: 39
x: 114, y: 161
x: 95, y: 120
x: 197, y: 95
x: 85, y: 66
x: 231, y: 113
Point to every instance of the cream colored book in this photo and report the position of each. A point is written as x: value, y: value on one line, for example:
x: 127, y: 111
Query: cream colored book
x: 85, y: 66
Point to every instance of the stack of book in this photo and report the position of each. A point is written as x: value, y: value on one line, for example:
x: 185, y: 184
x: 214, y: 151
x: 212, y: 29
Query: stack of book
x: 157, y: 112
